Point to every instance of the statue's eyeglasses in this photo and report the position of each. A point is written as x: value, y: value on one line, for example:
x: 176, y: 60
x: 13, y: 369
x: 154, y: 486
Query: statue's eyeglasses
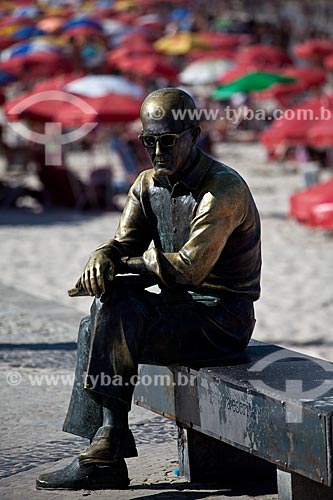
x: 165, y: 140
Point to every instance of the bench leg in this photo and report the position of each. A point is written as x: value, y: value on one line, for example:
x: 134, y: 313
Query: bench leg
x: 203, y: 458
x: 292, y: 486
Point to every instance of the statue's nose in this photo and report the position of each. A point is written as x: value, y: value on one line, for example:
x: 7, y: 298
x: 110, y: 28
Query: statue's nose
x: 158, y: 148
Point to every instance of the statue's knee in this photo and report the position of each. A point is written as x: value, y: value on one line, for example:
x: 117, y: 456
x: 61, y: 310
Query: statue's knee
x: 84, y: 330
x: 122, y: 302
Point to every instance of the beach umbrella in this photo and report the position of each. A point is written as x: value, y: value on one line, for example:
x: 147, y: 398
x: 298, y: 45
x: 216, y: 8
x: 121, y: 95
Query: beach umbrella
x: 82, y: 21
x: 136, y: 34
x: 293, y: 127
x: 26, y: 32
x: 28, y: 11
x: 328, y: 62
x: 314, y: 49
x: 203, y: 72
x: 291, y: 133
x: 249, y: 83
x: 50, y: 24
x: 115, y: 108
x: 180, y: 43
x: 150, y: 21
x: 124, y: 5
x: 301, y: 204
x: 261, y: 54
x: 6, y: 78
x: 6, y: 42
x: 82, y: 31
x: 204, y: 55
x: 240, y: 70
x: 28, y: 47
x: 56, y: 82
x: 114, y: 27
x: 152, y: 3
x: 320, y: 135
x: 9, y: 24
x: 101, y: 85
x: 130, y: 50
x: 305, y: 79
x: 125, y: 17
x: 147, y: 66
x: 37, y: 65
x: 179, y: 13
x: 321, y: 215
x: 73, y: 111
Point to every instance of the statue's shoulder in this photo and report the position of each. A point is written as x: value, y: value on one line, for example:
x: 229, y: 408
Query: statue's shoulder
x: 144, y: 178
x: 221, y: 174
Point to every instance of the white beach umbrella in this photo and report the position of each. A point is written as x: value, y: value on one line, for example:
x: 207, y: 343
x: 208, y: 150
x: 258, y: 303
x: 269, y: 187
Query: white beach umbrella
x: 203, y: 72
x: 101, y: 85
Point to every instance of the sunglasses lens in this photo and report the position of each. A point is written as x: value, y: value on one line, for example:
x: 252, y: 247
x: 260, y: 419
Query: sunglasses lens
x: 148, y: 141
x: 167, y: 140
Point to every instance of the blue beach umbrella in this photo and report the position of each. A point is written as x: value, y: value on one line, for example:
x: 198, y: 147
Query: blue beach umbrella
x: 27, y: 32
x: 28, y: 47
x: 82, y: 21
x: 6, y: 78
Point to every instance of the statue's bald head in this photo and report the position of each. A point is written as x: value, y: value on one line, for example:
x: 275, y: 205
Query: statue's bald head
x: 169, y: 108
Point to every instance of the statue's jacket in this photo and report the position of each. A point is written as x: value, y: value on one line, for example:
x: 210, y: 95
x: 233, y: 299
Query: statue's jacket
x: 204, y: 230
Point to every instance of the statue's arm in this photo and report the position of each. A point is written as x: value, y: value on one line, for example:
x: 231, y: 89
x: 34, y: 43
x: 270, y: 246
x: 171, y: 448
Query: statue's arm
x: 132, y: 238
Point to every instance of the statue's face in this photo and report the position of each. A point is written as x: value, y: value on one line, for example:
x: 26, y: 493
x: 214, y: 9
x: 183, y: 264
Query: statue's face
x: 167, y: 141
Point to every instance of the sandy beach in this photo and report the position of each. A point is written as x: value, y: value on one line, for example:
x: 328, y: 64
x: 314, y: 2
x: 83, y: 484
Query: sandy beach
x: 44, y: 254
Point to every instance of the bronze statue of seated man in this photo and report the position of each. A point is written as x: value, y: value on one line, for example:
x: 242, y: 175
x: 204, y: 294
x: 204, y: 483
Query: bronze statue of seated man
x: 205, y: 257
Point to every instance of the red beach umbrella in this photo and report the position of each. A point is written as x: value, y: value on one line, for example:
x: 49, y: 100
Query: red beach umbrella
x: 149, y: 67
x: 293, y: 128
x: 314, y: 49
x: 303, y: 202
x: 138, y: 50
x: 321, y: 134
x: 57, y: 82
x: 204, y: 55
x: 84, y: 31
x: 322, y: 216
x: 328, y: 62
x: 306, y: 78
x: 244, y: 69
x: 37, y: 65
x: 71, y: 111
x: 262, y: 54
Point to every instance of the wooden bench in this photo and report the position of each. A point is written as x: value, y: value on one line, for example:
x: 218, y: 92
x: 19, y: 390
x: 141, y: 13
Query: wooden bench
x: 269, y: 409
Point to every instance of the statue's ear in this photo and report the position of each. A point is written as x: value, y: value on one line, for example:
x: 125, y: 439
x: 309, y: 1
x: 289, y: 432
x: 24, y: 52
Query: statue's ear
x: 196, y: 132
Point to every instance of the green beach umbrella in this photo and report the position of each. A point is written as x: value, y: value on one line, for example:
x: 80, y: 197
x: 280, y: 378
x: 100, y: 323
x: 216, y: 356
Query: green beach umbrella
x: 249, y: 83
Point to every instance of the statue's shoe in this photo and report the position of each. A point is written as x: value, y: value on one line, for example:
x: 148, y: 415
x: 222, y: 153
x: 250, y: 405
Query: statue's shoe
x: 109, y: 444
x: 92, y: 477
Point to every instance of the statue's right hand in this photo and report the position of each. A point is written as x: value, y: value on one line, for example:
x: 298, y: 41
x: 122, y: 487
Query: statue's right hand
x: 97, y: 271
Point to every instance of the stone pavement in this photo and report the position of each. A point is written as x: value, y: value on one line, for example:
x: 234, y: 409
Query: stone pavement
x: 37, y: 355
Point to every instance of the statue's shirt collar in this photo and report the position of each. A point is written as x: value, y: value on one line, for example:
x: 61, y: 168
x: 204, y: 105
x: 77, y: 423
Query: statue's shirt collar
x: 192, y: 174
